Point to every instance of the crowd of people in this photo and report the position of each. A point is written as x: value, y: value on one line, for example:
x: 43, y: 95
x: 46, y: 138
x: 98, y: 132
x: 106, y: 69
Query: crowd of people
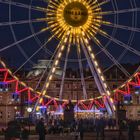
x: 77, y: 128
x: 80, y: 126
x: 90, y: 124
x: 15, y: 130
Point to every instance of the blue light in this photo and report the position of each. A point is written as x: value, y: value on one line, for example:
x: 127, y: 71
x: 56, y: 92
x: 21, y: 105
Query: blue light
x: 3, y: 83
x: 3, y: 86
x: 28, y: 102
x: 15, y: 96
x: 128, y: 99
x: 43, y: 107
x: 137, y: 90
x: 102, y: 109
x: 128, y: 96
x: 137, y: 87
x: 15, y: 93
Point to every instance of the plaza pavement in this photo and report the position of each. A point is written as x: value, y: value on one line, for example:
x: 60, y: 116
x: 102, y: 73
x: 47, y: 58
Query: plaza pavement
x: 88, y: 136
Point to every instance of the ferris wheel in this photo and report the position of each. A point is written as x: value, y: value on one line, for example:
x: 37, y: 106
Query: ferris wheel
x: 76, y: 34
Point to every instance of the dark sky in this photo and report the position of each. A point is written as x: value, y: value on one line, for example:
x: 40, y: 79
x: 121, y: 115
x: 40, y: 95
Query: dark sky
x: 18, y: 54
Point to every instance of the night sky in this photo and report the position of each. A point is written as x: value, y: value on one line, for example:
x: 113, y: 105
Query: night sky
x: 19, y: 53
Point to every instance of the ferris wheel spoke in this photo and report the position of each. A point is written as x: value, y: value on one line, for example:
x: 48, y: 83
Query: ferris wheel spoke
x: 22, y: 22
x: 23, y: 5
x: 122, y: 27
x: 124, y: 52
x: 97, y: 74
x: 100, y: 4
x: 45, y: 71
x: 81, y: 69
x: 120, y: 57
x: 43, y: 0
x: 111, y: 57
x: 35, y: 53
x: 57, y: 57
x: 64, y: 70
x: 118, y: 11
x: 22, y: 40
x: 120, y: 43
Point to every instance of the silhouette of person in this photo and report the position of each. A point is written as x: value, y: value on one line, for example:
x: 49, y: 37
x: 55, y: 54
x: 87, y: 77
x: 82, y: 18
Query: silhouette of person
x: 81, y: 129
x: 40, y: 129
x: 24, y: 133
x: 131, y: 130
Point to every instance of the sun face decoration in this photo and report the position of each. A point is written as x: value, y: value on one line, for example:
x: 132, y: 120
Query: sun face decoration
x: 77, y: 15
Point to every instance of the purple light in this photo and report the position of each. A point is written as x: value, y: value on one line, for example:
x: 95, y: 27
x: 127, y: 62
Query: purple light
x: 3, y: 83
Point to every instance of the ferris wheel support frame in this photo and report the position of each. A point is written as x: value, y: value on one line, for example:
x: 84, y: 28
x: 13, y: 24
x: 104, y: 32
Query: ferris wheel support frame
x: 57, y: 57
x: 81, y: 71
x: 97, y: 77
x: 64, y: 72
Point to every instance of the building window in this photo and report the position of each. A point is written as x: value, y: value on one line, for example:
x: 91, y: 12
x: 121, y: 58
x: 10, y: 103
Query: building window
x: 137, y: 100
x: 114, y: 86
x: 0, y: 99
x: 9, y: 114
x: 57, y: 85
x: 1, y: 115
x: 69, y: 86
x: 9, y: 86
x: 3, y: 87
x: 95, y: 89
x: 90, y: 85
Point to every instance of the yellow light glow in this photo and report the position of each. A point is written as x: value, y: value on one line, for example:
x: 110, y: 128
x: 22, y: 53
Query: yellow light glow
x: 56, y: 63
x: 111, y: 100
x: 44, y: 92
x: 53, y: 70
x: 108, y: 93
x: 96, y: 64
x: 60, y: 54
x: 93, y: 56
x: 102, y: 78
x: 105, y: 85
x: 16, y: 78
x: 99, y: 71
x: 59, y: 16
x: 24, y: 84
x: 50, y: 78
x: 40, y: 101
x: 114, y: 107
x: 37, y: 108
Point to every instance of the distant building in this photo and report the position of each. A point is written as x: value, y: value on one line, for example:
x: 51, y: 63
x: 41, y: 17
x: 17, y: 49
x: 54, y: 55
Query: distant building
x: 39, y: 68
x: 12, y: 105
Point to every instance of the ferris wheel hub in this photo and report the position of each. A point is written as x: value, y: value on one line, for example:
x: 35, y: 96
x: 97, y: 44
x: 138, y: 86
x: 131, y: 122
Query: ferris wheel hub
x: 75, y: 14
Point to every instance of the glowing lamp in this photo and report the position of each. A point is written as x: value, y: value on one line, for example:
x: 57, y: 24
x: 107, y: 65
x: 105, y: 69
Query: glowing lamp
x: 128, y: 99
x: 137, y: 90
x: 29, y: 109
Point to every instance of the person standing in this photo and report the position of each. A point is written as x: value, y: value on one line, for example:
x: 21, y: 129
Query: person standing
x: 131, y: 130
x: 12, y: 131
x: 81, y: 129
x: 24, y: 133
x: 102, y: 125
x: 40, y: 129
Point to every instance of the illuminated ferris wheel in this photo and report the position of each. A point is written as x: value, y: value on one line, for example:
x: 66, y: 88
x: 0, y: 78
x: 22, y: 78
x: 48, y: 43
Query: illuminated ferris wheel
x: 72, y: 34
